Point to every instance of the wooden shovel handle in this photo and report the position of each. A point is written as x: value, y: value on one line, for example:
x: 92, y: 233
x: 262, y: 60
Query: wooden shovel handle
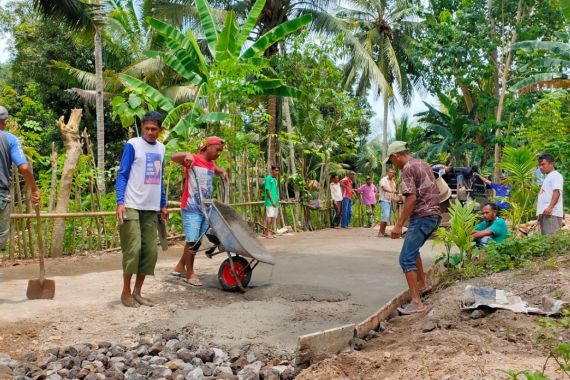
x: 40, y: 242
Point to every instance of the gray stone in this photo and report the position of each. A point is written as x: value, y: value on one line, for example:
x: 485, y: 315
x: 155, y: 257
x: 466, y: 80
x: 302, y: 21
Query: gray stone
x: 288, y: 374
x: 169, y: 335
x: 220, y: 356
x: 118, y: 350
x: 207, y: 370
x: 98, y: 364
x: 67, y: 363
x: 223, y: 369
x: 205, y: 353
x: 195, y: 374
x: 113, y: 375
x: 248, y: 373
x: 135, y: 376
x: 68, y: 351
x: 279, y: 368
x: 185, y: 354
x: 357, y: 344
x: 119, y: 367
x: 118, y: 359
x: 172, y: 344
x: 5, y: 359
x: 104, y: 345
x: 142, y: 350
x: 251, y: 357
x: 64, y: 373
x: 381, y: 327
x: 29, y: 357
x: 372, y: 334
x: 478, y: 313
x: 54, y: 366
x: 52, y: 351
x: 156, y: 348
x: 197, y: 362
x: 146, y: 341
x: 161, y: 371
x: 157, y: 360
x: 54, y: 376
x: 429, y: 326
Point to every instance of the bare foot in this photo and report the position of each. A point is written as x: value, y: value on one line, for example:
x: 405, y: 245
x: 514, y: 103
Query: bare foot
x: 129, y: 301
x: 142, y: 300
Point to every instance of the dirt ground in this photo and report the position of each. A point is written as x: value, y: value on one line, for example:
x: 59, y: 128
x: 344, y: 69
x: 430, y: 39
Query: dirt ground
x: 321, y: 280
x: 460, y: 347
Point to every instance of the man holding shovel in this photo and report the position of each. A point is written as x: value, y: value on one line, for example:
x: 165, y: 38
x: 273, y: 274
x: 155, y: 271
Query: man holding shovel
x: 140, y: 196
x: 11, y: 153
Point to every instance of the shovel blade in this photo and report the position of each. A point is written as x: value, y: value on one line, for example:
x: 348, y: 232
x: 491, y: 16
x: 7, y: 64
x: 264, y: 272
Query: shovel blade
x: 40, y: 289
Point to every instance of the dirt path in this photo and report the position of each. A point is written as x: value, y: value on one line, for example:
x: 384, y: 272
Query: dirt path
x: 322, y: 279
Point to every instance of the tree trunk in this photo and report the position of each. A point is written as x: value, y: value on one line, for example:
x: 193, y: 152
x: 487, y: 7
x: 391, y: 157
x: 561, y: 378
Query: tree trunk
x: 72, y: 142
x: 99, y: 108
x: 271, y: 130
x: 503, y: 93
x: 385, y: 135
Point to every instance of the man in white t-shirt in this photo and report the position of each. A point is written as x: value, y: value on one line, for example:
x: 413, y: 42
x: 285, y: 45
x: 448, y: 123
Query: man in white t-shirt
x: 549, y: 208
x: 336, y: 197
x: 387, y: 196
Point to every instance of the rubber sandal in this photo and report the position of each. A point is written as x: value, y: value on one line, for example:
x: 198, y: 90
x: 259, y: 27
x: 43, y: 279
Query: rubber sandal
x: 193, y: 282
x: 427, y: 290
x: 129, y: 302
x: 142, y: 300
x: 177, y: 274
x: 409, y: 309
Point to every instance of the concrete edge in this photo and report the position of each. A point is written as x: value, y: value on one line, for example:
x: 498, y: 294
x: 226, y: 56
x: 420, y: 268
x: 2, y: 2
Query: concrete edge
x: 318, y: 345
x: 372, y: 322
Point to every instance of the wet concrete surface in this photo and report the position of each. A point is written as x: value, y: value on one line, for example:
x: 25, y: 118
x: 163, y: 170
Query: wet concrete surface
x: 321, y: 280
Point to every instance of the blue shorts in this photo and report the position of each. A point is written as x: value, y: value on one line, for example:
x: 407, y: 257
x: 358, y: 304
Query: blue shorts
x: 386, y: 207
x: 419, y: 230
x: 195, y: 225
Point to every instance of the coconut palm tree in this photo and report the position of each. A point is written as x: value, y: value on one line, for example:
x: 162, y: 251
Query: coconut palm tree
x: 89, y: 16
x: 379, y: 34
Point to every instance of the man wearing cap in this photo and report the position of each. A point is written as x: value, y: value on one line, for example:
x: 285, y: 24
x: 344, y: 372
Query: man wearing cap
x: 421, y: 206
x: 11, y: 153
x: 200, y: 169
x: 140, y: 197
x: 346, y: 185
x: 369, y: 191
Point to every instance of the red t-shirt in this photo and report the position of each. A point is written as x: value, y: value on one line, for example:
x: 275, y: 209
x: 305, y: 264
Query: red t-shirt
x: 346, y: 186
x: 205, y: 171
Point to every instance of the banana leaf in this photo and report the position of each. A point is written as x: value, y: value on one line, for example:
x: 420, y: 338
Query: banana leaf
x: 249, y: 24
x: 147, y: 92
x: 275, y: 35
x: 208, y: 24
x: 226, y: 45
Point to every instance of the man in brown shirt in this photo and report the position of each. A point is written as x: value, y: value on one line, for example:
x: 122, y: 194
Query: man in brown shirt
x: 422, y: 207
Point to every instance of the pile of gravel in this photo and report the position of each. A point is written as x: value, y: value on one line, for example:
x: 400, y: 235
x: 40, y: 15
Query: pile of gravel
x: 163, y: 356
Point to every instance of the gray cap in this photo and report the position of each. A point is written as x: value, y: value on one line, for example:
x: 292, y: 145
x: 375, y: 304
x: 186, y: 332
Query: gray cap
x: 395, y: 147
x: 3, y: 113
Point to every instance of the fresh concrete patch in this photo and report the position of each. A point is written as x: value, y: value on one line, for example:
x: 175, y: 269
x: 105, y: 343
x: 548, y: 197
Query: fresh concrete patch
x: 296, y: 293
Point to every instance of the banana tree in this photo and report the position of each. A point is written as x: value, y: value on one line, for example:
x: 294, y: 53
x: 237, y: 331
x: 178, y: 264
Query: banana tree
x: 231, y: 74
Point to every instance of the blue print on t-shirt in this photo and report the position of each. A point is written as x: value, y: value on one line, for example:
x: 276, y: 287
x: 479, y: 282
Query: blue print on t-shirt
x: 152, y: 169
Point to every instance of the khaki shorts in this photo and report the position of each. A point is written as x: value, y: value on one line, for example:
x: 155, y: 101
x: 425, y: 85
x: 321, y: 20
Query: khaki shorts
x: 138, y: 235
x: 550, y: 224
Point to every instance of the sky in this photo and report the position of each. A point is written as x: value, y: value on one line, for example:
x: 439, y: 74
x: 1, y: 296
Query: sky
x: 377, y: 106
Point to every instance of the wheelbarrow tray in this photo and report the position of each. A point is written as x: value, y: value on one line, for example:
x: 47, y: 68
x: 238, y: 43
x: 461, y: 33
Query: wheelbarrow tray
x: 234, y: 233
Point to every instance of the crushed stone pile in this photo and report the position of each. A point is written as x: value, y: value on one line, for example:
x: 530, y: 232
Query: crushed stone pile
x: 166, y: 355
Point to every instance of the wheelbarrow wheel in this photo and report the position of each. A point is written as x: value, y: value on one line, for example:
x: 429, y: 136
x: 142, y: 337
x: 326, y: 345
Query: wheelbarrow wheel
x: 226, y: 277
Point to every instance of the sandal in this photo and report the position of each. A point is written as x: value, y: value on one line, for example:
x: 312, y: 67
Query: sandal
x: 194, y: 281
x: 426, y: 290
x: 410, y: 309
x: 177, y: 274
x: 129, y: 302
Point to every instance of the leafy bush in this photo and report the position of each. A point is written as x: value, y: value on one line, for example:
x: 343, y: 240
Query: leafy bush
x: 462, y: 224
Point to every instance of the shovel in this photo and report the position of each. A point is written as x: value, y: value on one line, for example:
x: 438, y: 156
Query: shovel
x: 40, y: 288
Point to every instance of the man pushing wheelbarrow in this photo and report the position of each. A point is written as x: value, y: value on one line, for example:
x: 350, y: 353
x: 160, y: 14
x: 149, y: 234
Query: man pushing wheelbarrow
x: 200, y: 170
x: 230, y: 233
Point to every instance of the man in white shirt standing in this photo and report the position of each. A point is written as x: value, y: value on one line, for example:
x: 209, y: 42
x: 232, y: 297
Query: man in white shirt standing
x: 549, y: 208
x: 336, y: 196
x: 387, y: 196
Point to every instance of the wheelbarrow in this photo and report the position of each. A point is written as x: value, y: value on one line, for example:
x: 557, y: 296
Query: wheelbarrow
x: 231, y: 235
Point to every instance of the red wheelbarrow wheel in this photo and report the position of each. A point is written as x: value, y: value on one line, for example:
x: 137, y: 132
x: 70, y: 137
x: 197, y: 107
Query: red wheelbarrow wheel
x: 226, y: 277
